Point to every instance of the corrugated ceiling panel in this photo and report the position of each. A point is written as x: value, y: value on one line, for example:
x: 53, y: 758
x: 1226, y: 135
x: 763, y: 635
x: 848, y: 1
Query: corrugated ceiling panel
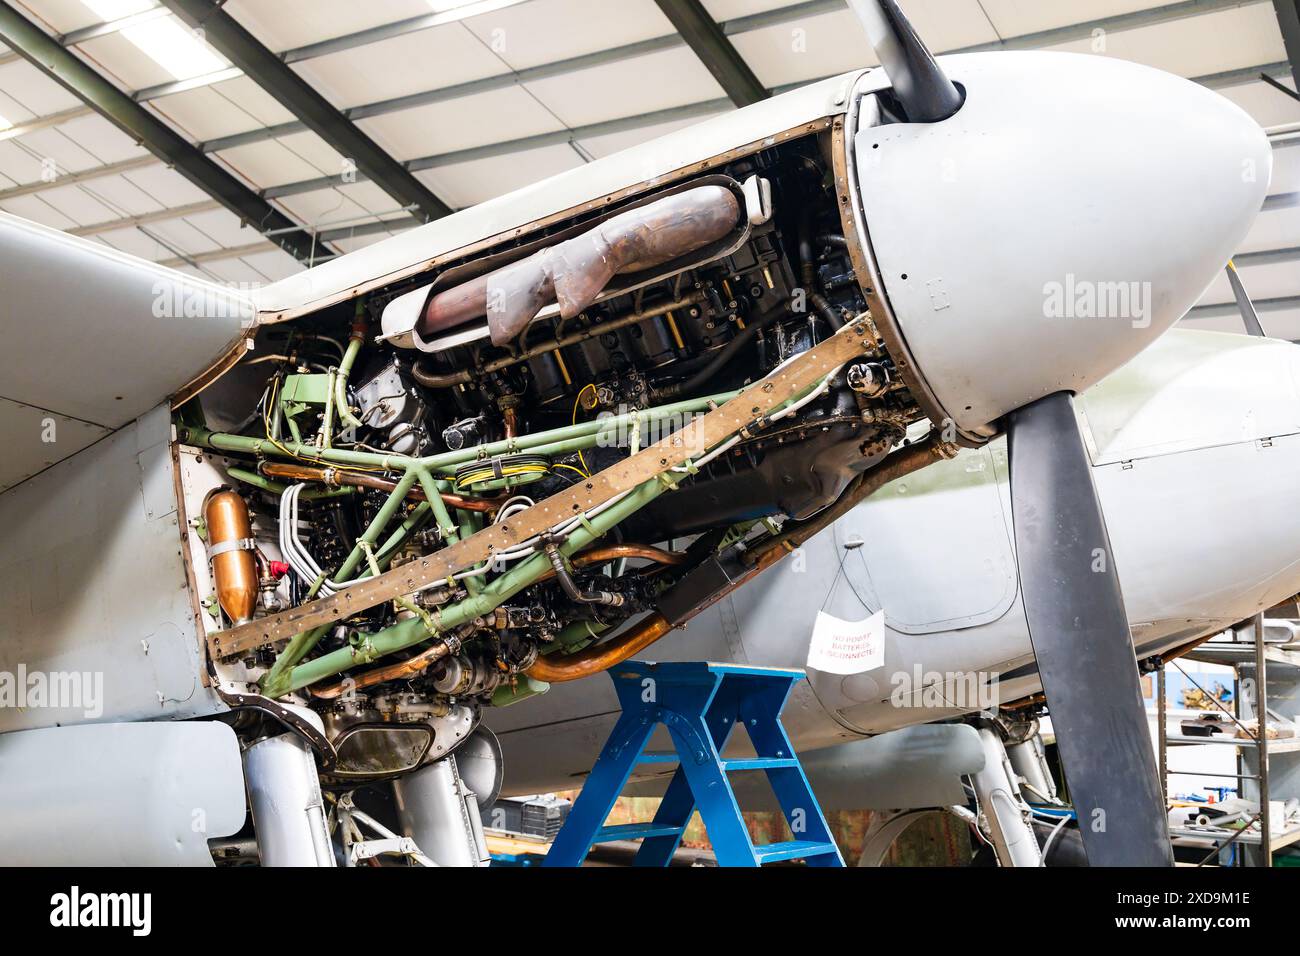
x: 1274, y: 229
x: 467, y: 184
x: 443, y: 56
x: 37, y: 210
x: 101, y: 138
x: 223, y: 226
x: 37, y: 92
x: 359, y: 242
x: 312, y: 149
x: 120, y: 193
x: 166, y: 185
x: 1278, y: 325
x: 12, y: 110
x: 275, y: 263
x: 52, y: 144
x: 461, y: 123
x: 255, y: 101
x: 204, y: 113
x: 805, y: 49
x: 270, y: 163
x: 546, y: 31
x: 136, y: 243
x: 367, y: 195
x: 18, y: 165
x: 78, y: 204
x: 396, y: 223
x: 183, y: 237
x: 945, y: 26
x: 323, y: 205
x: 1196, y: 46
x: 1272, y: 281
x: 1269, y: 106
x: 286, y: 24
x: 1018, y: 17
x: 601, y: 146
x: 629, y: 87
x: 1286, y: 174
x: 234, y: 271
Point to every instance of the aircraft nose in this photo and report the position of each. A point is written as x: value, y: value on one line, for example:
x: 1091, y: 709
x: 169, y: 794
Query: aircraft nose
x: 1070, y: 212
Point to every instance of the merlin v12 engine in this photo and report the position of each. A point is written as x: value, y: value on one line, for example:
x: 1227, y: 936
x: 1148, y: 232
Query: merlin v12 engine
x: 366, y: 438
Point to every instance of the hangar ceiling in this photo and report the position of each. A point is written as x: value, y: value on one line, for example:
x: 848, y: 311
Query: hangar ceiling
x: 297, y: 130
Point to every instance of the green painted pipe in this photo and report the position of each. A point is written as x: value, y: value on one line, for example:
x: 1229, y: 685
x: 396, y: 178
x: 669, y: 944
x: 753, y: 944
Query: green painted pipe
x: 275, y: 488
x: 413, y: 630
x: 556, y: 441
x: 341, y: 383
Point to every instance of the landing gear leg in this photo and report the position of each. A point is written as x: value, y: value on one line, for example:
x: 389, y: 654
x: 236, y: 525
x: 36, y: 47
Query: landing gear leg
x: 1005, y: 816
x: 288, y: 810
x: 441, y: 814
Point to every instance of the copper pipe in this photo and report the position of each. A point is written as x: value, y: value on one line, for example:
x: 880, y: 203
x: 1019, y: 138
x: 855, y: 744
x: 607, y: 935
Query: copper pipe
x: 554, y: 669
x: 648, y: 552
x: 615, y: 551
x: 333, y: 476
x: 573, y: 273
x: 410, y: 667
x: 235, y: 570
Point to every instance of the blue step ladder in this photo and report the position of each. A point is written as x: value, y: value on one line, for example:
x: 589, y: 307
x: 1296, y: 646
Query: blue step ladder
x: 700, y: 703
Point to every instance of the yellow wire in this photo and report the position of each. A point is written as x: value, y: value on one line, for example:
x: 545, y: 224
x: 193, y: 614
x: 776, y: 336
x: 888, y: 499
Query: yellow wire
x: 576, y: 471
x: 577, y: 399
x: 266, y: 424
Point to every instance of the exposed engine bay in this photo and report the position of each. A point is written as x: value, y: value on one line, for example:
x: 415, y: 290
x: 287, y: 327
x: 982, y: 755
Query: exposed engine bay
x: 373, y: 436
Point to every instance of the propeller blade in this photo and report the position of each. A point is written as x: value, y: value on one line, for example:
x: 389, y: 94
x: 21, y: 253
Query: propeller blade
x: 1080, y: 634
x: 922, y: 89
x: 1247, y: 308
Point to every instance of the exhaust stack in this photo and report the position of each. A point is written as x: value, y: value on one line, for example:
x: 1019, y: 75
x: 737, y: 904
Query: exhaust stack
x: 575, y: 272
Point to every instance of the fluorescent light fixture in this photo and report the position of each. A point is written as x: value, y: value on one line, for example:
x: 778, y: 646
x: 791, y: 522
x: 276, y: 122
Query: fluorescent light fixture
x: 4, y: 123
x: 166, y: 41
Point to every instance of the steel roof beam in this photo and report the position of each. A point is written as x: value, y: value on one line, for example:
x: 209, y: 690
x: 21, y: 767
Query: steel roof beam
x: 241, y: 48
x: 62, y: 66
x: 703, y: 35
x: 1288, y: 19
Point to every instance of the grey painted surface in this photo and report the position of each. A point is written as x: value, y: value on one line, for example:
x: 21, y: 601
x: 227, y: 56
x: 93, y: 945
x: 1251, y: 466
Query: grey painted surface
x: 92, y: 582
x: 147, y: 794
x: 96, y: 336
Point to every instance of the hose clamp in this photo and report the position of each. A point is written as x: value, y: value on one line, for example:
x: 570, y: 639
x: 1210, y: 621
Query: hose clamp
x: 235, y: 544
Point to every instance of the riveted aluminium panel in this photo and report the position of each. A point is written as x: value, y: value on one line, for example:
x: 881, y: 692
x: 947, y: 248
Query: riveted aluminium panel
x: 92, y: 583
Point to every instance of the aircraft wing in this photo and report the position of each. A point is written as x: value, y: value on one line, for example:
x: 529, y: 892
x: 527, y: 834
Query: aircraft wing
x: 94, y: 338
